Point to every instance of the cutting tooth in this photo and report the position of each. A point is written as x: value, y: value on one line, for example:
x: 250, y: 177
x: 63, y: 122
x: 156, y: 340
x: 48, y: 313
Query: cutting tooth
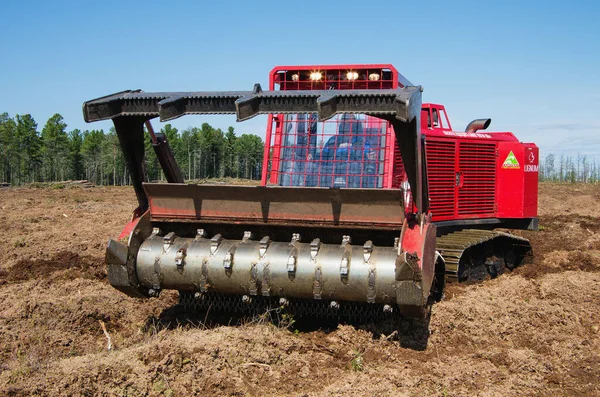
x: 264, y: 245
x: 247, y: 236
x: 215, y: 242
x: 367, y: 250
x: 314, y: 248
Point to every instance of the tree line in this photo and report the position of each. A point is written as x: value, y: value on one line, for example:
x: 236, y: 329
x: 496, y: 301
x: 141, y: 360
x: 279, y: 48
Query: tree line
x: 569, y: 169
x: 57, y: 154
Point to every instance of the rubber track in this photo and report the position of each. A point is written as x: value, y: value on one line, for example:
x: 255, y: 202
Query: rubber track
x: 453, y: 245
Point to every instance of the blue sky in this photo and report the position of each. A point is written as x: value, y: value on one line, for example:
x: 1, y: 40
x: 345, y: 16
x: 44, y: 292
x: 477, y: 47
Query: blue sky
x: 532, y: 66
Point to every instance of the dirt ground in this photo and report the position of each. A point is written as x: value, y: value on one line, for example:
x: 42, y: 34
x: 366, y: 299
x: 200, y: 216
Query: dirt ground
x: 534, y: 331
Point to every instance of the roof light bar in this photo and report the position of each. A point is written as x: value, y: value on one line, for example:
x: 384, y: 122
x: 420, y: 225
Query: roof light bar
x: 316, y: 76
x: 352, y: 75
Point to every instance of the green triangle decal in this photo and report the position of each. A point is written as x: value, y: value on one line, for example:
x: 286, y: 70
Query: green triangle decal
x: 511, y: 161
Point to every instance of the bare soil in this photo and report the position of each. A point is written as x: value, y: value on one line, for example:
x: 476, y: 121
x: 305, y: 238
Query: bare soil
x: 535, y: 331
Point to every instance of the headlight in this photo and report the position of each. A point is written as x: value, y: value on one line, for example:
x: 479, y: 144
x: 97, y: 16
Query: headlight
x: 295, y: 77
x: 314, y: 76
x: 352, y: 75
x: 374, y: 77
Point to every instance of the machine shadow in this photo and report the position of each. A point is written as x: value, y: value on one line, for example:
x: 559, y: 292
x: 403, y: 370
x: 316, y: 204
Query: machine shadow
x: 411, y: 333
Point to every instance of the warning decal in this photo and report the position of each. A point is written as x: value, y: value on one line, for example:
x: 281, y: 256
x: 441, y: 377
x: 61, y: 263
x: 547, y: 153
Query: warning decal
x: 511, y: 161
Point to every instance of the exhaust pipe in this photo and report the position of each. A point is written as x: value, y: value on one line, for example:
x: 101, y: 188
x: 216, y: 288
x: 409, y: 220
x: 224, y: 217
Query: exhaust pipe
x: 478, y: 124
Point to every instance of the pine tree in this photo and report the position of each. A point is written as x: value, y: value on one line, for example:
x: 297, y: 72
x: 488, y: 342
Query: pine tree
x: 76, y: 170
x: 549, y: 173
x: 8, y: 157
x: 189, y: 144
x: 92, y: 155
x: 212, y: 144
x: 112, y: 157
x: 229, y: 152
x: 249, y: 150
x: 29, y: 148
x: 55, y: 149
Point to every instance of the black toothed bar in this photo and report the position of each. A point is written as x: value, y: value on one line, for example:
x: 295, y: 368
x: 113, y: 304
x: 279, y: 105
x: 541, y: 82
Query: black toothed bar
x: 399, y: 103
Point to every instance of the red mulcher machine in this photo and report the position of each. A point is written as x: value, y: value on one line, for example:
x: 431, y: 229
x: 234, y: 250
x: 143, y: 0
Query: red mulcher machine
x: 369, y: 200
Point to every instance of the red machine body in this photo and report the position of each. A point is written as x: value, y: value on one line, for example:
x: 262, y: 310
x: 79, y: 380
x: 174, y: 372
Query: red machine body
x: 478, y: 174
x: 369, y: 202
x: 473, y: 175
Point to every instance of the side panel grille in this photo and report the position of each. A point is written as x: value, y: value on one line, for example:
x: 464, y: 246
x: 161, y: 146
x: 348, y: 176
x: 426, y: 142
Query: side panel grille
x: 441, y: 175
x: 477, y: 164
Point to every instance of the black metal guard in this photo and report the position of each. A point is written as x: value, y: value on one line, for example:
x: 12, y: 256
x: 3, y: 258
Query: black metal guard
x: 130, y: 109
x: 247, y: 104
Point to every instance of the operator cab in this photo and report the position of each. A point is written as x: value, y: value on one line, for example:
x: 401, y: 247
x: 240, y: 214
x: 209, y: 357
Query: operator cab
x: 346, y: 151
x: 434, y: 117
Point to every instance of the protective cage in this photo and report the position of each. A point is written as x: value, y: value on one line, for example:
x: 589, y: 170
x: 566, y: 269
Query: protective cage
x: 348, y: 150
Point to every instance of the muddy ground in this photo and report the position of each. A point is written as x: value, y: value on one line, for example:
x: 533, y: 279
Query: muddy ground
x: 534, y: 331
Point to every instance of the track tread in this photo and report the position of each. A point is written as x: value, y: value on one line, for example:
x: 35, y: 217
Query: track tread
x: 453, y: 245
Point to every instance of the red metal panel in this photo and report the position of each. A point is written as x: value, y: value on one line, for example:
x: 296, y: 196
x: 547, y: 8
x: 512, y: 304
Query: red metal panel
x: 530, y: 189
x: 462, y: 178
x: 364, y: 208
x: 510, y: 180
x: 265, y: 164
x: 392, y: 155
x: 476, y: 178
x: 441, y: 170
x: 517, y: 190
x: 274, y: 150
